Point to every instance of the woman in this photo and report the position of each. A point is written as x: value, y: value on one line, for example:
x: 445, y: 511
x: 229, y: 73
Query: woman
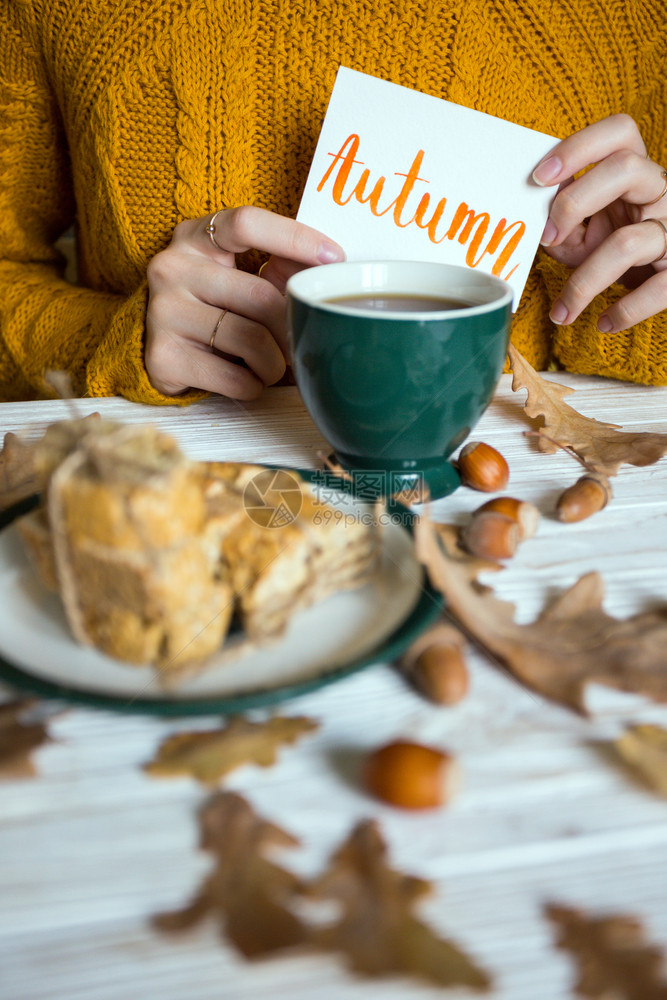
x: 177, y: 137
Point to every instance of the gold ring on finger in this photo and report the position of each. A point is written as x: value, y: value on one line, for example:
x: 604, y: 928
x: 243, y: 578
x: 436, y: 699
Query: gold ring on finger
x: 210, y: 229
x: 662, y: 225
x: 217, y: 327
x: 662, y: 193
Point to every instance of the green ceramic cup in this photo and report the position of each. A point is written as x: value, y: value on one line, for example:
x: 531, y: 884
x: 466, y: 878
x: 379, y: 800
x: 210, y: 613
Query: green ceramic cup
x: 395, y: 392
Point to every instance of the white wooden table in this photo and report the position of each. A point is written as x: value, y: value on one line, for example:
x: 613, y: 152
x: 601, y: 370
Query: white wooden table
x: 92, y: 847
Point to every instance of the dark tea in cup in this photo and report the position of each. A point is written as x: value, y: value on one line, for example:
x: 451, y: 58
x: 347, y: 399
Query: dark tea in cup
x: 399, y: 303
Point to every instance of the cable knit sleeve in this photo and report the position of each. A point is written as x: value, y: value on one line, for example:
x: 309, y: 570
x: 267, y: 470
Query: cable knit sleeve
x: 45, y: 322
x: 638, y: 354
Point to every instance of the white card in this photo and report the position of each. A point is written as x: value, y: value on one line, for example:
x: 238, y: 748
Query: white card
x: 400, y: 175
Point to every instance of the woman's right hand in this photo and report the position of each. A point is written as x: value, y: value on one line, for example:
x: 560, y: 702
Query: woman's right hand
x: 210, y: 326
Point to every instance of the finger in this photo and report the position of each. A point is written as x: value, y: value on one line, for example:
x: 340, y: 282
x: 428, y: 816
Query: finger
x: 177, y: 341
x: 647, y: 300
x: 240, y: 337
x: 199, y: 237
x: 198, y: 368
x: 202, y: 326
x: 573, y: 251
x: 278, y: 271
x: 630, y: 246
x: 248, y: 227
x: 621, y: 176
x: 242, y: 293
x: 587, y: 146
x: 599, y: 227
x: 583, y: 239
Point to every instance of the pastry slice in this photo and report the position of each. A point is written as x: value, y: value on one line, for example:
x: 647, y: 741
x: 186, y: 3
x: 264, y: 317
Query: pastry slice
x: 286, y: 550
x: 139, y: 579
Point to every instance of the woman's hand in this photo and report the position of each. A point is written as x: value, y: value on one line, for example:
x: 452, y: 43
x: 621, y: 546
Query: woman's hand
x: 210, y: 326
x: 608, y: 223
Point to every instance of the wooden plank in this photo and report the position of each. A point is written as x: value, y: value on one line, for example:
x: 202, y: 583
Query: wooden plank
x: 93, y: 846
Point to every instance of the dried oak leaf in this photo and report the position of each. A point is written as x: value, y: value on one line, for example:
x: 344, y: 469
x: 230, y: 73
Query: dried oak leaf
x: 613, y: 957
x: 209, y: 755
x: 601, y: 447
x: 247, y: 893
x: 644, y: 748
x: 377, y: 930
x: 573, y: 642
x: 18, y: 740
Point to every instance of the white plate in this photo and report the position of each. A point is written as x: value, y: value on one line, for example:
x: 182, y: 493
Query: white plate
x: 323, y: 643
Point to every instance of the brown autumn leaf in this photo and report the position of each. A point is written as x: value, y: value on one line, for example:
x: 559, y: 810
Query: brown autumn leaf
x: 573, y: 643
x: 613, y: 957
x: 644, y: 748
x: 377, y: 930
x: 245, y: 892
x: 18, y: 739
x: 210, y: 755
x: 254, y: 900
x: 601, y: 447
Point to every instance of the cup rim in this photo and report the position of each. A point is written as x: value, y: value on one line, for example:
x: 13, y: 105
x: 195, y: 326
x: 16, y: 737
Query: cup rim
x: 300, y: 286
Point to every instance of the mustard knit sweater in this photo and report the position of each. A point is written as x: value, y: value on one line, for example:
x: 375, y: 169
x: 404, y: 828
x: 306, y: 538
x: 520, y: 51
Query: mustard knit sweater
x: 125, y: 117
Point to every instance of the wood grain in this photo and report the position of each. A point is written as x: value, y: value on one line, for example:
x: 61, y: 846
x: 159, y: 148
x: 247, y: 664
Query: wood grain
x: 93, y: 847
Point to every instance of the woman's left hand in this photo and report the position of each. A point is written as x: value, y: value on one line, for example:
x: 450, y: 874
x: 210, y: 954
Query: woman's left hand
x: 610, y: 224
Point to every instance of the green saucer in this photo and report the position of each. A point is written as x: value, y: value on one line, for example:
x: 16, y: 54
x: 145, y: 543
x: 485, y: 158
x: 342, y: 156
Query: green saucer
x: 418, y: 478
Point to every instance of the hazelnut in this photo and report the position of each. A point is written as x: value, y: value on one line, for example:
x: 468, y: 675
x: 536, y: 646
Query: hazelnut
x: 588, y: 495
x: 526, y: 514
x: 411, y: 775
x: 490, y: 535
x: 482, y: 467
x: 440, y: 673
x: 435, y: 663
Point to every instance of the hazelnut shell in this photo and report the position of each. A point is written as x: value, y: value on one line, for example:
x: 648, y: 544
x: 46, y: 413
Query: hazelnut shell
x: 482, y: 467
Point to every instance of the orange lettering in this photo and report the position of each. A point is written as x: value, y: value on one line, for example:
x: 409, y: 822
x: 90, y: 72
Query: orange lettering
x: 502, y: 229
x: 431, y: 224
x: 343, y: 174
x: 372, y: 198
x: 464, y: 213
x: 411, y: 179
x: 466, y: 226
x: 398, y: 204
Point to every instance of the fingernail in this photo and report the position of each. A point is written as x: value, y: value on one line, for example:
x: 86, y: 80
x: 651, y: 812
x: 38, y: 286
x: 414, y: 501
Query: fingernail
x: 558, y: 312
x: 549, y: 235
x: 547, y: 171
x: 330, y: 253
x: 605, y: 325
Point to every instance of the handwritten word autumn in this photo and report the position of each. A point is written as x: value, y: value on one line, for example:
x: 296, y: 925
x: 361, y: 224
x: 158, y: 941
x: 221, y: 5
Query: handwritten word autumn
x: 463, y: 224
